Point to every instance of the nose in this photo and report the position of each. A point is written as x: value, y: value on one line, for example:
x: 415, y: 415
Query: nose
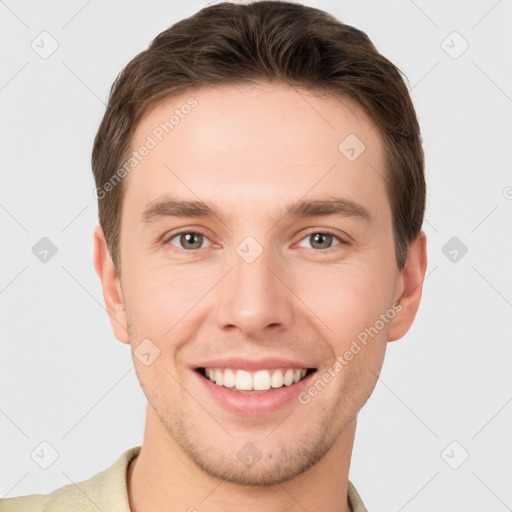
x: 254, y: 297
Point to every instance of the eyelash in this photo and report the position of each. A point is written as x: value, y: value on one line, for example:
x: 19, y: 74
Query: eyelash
x: 313, y: 232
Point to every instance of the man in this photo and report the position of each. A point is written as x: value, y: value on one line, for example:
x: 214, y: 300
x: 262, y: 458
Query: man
x: 261, y: 192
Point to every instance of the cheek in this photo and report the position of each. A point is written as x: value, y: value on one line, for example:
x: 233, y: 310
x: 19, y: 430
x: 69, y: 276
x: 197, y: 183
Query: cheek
x: 159, y: 297
x: 348, y: 300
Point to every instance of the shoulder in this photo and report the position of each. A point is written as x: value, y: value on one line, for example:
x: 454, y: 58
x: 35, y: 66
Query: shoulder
x: 65, y: 498
x: 104, y: 491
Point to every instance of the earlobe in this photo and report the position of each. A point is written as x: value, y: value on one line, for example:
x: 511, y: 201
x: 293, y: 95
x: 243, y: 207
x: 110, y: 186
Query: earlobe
x: 112, y: 292
x: 412, y: 277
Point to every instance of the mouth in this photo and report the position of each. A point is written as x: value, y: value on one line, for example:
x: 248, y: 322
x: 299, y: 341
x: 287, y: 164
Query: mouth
x: 262, y: 381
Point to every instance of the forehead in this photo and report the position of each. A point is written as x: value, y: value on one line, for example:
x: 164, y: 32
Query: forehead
x: 256, y: 141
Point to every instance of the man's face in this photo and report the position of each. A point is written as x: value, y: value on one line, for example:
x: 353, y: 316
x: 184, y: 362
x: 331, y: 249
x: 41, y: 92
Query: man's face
x: 258, y: 283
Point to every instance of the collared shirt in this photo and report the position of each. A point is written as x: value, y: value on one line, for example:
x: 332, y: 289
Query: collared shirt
x: 106, y: 491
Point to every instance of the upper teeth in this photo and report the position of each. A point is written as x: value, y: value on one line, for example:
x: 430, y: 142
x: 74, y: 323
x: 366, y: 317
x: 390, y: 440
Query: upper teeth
x: 259, y: 381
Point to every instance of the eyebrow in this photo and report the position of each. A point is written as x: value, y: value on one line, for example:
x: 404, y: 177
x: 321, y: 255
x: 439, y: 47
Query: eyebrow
x: 171, y: 207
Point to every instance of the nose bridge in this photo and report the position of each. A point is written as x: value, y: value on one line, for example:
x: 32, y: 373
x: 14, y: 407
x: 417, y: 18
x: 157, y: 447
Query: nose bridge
x: 252, y: 297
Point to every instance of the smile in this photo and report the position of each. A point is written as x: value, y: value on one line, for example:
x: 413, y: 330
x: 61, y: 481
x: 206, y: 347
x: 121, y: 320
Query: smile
x: 254, y: 382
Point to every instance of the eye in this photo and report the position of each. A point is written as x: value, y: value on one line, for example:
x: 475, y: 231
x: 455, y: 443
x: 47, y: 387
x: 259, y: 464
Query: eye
x: 321, y: 240
x: 188, y: 240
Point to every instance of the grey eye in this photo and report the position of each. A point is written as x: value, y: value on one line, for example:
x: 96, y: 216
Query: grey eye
x: 189, y: 240
x: 320, y: 240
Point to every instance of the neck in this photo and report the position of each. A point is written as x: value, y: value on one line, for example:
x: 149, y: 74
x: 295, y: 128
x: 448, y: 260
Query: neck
x: 164, y: 477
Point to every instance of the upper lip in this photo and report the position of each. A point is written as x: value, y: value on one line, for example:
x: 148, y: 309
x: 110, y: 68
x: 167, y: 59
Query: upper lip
x: 241, y: 363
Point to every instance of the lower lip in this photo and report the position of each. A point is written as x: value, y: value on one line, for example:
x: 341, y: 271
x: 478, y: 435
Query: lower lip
x: 254, y: 404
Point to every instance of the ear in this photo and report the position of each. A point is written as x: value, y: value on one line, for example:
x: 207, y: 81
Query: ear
x: 112, y: 292
x: 410, y: 287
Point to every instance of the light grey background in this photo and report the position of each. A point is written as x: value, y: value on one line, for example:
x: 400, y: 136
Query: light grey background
x: 67, y: 381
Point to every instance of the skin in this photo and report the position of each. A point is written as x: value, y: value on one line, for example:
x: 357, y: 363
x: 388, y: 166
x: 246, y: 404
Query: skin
x: 249, y: 151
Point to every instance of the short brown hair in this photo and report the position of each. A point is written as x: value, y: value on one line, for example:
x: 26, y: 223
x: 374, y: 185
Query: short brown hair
x: 235, y: 44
